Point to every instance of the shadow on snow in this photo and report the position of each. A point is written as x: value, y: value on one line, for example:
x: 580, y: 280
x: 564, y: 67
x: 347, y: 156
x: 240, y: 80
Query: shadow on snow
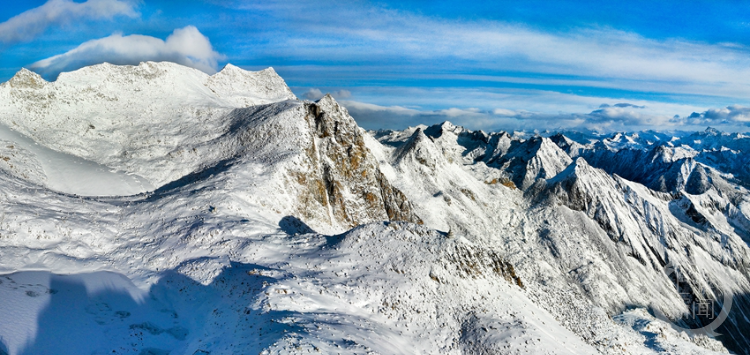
x: 177, y: 315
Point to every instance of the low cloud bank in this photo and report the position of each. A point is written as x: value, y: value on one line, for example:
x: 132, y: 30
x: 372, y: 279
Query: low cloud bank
x: 734, y: 114
x: 607, y: 118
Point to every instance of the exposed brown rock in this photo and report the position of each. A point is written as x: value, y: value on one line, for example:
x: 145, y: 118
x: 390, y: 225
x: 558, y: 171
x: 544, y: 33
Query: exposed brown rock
x: 26, y: 79
x: 344, y: 176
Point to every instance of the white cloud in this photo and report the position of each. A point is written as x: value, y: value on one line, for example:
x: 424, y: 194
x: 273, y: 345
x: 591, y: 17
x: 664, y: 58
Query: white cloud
x: 458, y: 112
x: 621, y: 117
x: 31, y: 23
x: 734, y: 114
x: 584, y: 56
x: 510, y: 108
x: 364, y: 106
x: 371, y: 116
x: 621, y: 104
x: 504, y: 112
x: 186, y: 46
x: 342, y: 94
x: 315, y: 94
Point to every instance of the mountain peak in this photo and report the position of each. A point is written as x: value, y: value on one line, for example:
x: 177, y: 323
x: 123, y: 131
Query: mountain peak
x: 419, y: 148
x: 447, y: 125
x: 327, y: 99
x: 576, y: 169
x: 712, y: 131
x: 230, y: 67
x: 532, y: 159
x: 566, y: 144
x: 437, y: 130
x: 328, y: 104
x: 247, y: 88
x: 352, y: 184
x: 418, y: 134
x: 25, y: 78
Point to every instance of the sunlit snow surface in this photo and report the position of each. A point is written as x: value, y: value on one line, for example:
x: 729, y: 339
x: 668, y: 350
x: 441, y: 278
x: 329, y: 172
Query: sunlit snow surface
x: 304, y: 293
x: 70, y: 174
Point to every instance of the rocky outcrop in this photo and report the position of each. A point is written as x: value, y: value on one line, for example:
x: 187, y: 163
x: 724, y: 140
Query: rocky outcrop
x: 26, y: 79
x: 344, y: 177
x: 20, y: 163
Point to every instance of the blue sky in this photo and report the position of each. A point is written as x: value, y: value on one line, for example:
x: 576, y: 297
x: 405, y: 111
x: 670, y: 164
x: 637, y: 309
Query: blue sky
x: 489, y: 65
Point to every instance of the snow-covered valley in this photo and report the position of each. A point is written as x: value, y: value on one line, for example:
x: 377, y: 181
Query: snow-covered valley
x: 155, y: 209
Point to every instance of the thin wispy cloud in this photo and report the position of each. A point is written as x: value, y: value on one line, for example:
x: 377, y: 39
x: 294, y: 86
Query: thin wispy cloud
x: 596, y: 56
x: 492, y: 108
x: 609, y: 118
x: 372, y: 116
x: 28, y: 25
x: 186, y: 46
x: 621, y: 105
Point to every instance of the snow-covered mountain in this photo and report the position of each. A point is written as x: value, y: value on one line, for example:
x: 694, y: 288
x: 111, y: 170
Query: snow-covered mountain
x: 599, y: 224
x: 154, y: 209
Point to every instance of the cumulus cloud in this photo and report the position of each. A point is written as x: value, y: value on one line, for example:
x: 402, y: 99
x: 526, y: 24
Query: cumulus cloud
x: 509, y: 109
x: 342, y: 94
x: 315, y: 94
x: 614, y: 113
x: 734, y: 114
x: 29, y: 24
x: 621, y: 117
x: 186, y: 46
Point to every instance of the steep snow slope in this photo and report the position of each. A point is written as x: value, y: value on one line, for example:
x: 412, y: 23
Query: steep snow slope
x: 493, y: 218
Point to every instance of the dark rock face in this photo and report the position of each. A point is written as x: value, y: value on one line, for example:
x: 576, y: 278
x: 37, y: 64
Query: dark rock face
x: 345, y: 177
x: 698, y: 182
